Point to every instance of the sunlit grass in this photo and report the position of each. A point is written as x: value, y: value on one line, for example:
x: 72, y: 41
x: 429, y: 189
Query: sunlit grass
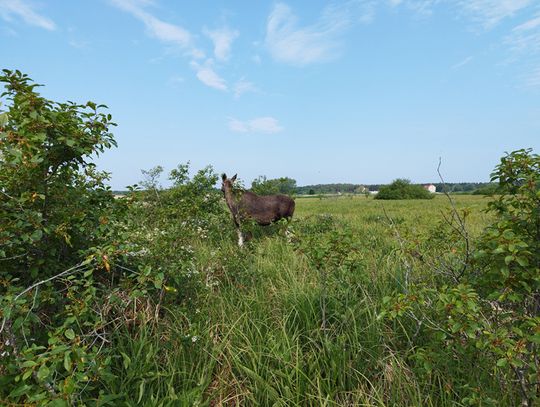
x: 260, y: 336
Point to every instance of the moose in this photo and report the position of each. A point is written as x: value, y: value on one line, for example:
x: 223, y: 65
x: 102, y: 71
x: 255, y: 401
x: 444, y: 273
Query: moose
x: 246, y: 205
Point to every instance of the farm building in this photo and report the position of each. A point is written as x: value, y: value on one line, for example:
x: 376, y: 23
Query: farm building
x: 431, y: 188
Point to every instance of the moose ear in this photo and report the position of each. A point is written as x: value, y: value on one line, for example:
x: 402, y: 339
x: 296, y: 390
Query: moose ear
x: 234, y: 178
x: 223, y: 176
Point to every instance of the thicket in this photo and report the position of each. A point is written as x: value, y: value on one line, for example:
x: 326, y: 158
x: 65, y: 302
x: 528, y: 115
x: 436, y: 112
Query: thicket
x: 403, y: 189
x: 481, y: 321
x: 78, y: 267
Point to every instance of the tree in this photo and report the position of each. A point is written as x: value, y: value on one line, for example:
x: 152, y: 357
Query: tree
x: 52, y: 199
x: 57, y: 227
x: 403, y: 189
x: 264, y: 186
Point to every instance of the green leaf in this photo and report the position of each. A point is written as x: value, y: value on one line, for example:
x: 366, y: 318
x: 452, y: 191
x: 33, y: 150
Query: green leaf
x: 36, y: 235
x: 43, y: 372
x: 69, y: 334
x: 141, y: 391
x: 19, y: 391
x: 27, y: 374
x: 67, y: 361
x: 502, y: 362
x: 522, y: 261
x: 58, y: 403
x: 28, y: 363
x: 126, y: 360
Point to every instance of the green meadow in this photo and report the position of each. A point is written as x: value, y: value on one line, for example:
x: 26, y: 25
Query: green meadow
x: 296, y: 320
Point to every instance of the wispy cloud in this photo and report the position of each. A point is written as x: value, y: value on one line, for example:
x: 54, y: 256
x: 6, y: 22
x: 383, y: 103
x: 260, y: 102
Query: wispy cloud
x: 242, y: 86
x: 462, y: 63
x: 532, y: 79
x: 10, y: 9
x: 490, y: 12
x: 176, y: 80
x: 421, y: 7
x: 525, y: 38
x: 524, y: 44
x: 266, y: 125
x: 295, y: 45
x: 207, y: 75
x: 79, y: 44
x: 222, y: 39
x: 159, y: 29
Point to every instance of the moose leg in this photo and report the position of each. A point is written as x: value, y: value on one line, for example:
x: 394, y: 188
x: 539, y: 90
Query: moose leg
x: 288, y: 234
x: 240, y: 237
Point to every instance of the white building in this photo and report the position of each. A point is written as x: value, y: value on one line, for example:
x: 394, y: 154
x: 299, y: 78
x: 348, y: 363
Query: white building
x: 431, y: 188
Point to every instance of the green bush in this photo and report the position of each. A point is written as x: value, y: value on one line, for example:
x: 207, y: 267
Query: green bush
x: 403, y: 189
x: 482, y: 321
x: 58, y: 237
x: 283, y: 185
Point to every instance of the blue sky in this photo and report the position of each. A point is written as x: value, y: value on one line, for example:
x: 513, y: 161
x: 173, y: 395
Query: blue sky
x: 360, y: 91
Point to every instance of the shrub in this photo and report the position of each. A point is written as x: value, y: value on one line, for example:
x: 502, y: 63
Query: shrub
x: 283, y: 185
x: 58, y: 237
x: 482, y: 323
x: 403, y: 189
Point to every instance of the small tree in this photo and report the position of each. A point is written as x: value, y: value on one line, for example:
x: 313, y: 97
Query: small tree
x: 264, y: 186
x: 403, y: 189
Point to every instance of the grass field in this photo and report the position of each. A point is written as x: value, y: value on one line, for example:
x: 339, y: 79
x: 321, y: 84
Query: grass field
x: 294, y: 321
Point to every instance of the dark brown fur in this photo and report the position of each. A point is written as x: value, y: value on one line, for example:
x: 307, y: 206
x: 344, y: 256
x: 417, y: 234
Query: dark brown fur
x: 263, y: 209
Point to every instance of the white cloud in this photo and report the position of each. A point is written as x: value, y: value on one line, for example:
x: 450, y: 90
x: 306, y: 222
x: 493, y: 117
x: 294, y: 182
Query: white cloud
x: 490, y: 12
x: 266, y: 125
x: 422, y: 7
x: 222, y: 39
x: 207, y: 75
x: 22, y: 9
x: 533, y: 79
x: 176, y: 81
x: 159, y: 29
x: 79, y: 44
x: 303, y: 45
x: 462, y: 63
x: 524, y: 43
x: 243, y: 86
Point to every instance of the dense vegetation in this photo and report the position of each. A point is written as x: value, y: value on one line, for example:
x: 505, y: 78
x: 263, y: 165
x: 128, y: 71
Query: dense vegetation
x: 264, y: 186
x: 403, y: 189
x: 147, y: 299
x: 330, y: 189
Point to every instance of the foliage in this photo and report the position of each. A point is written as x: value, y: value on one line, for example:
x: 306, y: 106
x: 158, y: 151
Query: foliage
x: 329, y: 189
x: 264, y: 186
x: 165, y: 224
x: 490, y: 320
x: 46, y: 182
x: 403, y: 189
x: 57, y: 237
x: 488, y: 189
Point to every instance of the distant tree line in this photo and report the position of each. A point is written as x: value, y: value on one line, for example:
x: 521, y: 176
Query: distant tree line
x: 330, y: 189
x: 460, y: 187
x: 285, y: 185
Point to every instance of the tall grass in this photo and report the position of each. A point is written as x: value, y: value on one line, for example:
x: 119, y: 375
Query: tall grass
x: 279, y: 327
